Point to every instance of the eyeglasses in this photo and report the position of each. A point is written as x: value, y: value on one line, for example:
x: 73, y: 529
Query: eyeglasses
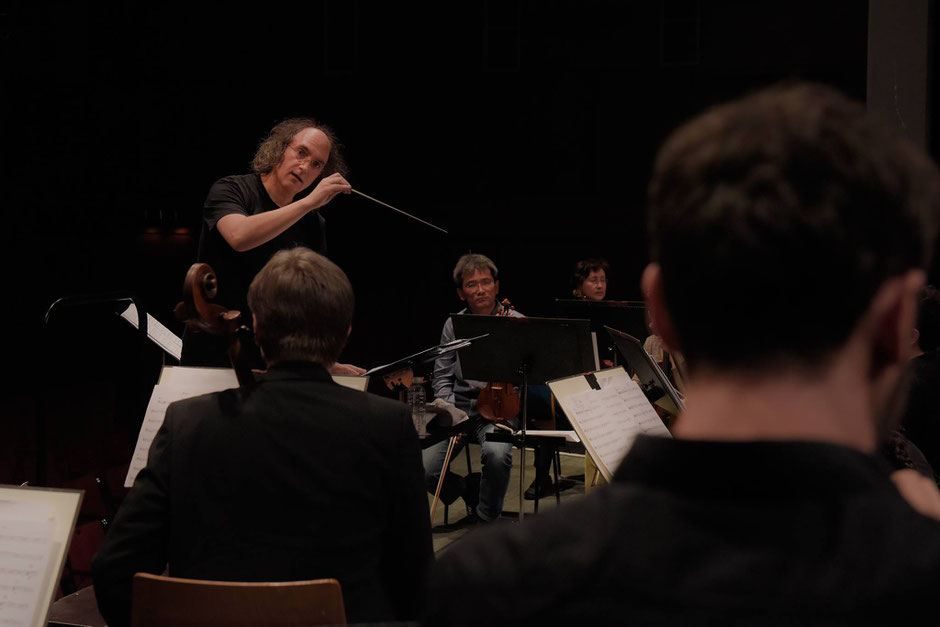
x: 304, y: 155
x: 484, y: 283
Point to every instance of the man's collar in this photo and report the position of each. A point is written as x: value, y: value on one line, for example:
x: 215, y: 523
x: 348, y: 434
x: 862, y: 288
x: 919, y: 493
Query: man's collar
x: 296, y: 370
x: 763, y: 469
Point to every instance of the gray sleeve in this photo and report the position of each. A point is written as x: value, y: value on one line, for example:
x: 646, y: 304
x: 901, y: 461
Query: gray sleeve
x: 445, y: 368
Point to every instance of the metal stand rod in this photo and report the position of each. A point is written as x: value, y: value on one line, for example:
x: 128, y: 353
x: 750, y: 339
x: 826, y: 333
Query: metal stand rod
x: 525, y: 402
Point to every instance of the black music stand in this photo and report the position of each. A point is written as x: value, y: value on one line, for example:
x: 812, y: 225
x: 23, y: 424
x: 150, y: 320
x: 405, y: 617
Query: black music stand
x: 639, y: 363
x: 411, y: 362
x: 421, y: 357
x: 523, y: 351
x: 628, y: 315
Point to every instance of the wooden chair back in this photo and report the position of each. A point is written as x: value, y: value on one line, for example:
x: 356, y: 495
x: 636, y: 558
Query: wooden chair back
x: 171, y: 601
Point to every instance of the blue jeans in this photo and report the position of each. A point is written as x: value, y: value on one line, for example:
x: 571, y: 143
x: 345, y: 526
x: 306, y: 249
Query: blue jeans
x: 496, y: 459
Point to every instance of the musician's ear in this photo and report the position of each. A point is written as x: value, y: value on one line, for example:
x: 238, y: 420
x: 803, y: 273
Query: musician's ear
x: 348, y: 332
x: 652, y: 285
x: 890, y: 319
x: 254, y: 324
x: 460, y: 294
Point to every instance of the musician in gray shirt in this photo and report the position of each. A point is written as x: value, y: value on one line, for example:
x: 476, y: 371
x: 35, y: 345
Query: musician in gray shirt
x: 476, y: 279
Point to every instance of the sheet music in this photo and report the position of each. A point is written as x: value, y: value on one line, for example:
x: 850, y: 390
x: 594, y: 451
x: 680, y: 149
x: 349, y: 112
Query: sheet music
x: 206, y: 379
x: 179, y: 382
x: 161, y: 336
x: 163, y: 395
x: 613, y: 416
x: 27, y: 554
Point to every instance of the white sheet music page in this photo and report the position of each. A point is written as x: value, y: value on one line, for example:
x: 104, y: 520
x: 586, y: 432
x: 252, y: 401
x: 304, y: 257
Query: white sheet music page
x: 27, y: 551
x: 161, y: 336
x: 613, y: 416
x: 176, y: 384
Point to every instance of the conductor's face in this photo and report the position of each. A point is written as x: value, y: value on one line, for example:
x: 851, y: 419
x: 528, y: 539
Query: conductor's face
x: 479, y: 291
x: 303, y: 160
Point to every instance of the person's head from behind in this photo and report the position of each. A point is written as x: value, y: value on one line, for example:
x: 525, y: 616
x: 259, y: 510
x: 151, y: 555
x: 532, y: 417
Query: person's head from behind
x: 303, y: 305
x: 477, y: 281
x: 781, y: 224
x: 589, y: 281
x: 927, y: 334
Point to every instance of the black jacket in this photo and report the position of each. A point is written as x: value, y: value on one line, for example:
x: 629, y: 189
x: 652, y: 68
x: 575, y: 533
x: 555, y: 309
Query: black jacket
x: 291, y: 478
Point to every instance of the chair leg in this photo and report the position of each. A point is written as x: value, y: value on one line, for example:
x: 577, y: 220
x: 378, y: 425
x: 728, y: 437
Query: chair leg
x: 537, y: 454
x: 469, y: 471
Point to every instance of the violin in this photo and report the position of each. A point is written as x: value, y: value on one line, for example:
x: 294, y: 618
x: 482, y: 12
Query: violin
x: 399, y: 379
x: 199, y: 287
x: 499, y: 401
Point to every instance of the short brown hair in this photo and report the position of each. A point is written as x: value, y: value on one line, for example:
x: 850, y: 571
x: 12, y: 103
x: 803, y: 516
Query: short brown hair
x: 303, y: 307
x: 789, y: 207
x: 272, y: 147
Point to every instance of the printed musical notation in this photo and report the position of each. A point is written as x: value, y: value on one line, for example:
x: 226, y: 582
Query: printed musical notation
x: 613, y: 416
x: 27, y: 549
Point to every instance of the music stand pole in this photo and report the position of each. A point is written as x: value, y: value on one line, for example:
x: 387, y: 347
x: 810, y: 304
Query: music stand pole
x: 524, y: 370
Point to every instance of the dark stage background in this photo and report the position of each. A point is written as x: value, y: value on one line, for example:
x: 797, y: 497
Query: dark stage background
x: 525, y: 128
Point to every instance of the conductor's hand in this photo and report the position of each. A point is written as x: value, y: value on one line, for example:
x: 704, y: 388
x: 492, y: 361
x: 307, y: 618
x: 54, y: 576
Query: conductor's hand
x: 327, y: 188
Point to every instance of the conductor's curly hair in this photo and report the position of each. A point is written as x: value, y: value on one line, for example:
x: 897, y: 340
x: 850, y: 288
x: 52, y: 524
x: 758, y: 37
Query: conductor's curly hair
x: 271, y: 149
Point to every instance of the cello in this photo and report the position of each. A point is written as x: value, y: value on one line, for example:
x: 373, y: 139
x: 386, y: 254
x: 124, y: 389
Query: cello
x: 202, y: 316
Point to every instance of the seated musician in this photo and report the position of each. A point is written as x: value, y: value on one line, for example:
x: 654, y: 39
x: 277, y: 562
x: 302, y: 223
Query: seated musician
x: 291, y: 478
x: 476, y: 279
x: 670, y: 362
x: 795, y: 208
x: 589, y: 281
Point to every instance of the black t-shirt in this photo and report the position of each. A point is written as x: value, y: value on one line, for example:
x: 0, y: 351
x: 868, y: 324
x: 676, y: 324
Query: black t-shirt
x: 245, y: 195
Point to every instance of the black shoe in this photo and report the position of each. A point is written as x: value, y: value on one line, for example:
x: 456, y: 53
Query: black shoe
x: 471, y: 491
x: 472, y: 519
x: 545, y: 488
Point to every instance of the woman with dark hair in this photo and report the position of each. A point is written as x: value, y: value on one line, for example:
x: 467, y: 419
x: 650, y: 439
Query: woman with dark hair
x: 589, y: 281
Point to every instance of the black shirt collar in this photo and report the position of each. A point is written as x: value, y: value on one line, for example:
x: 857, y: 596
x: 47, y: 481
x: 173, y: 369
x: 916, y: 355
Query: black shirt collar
x: 759, y: 469
x: 296, y: 370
